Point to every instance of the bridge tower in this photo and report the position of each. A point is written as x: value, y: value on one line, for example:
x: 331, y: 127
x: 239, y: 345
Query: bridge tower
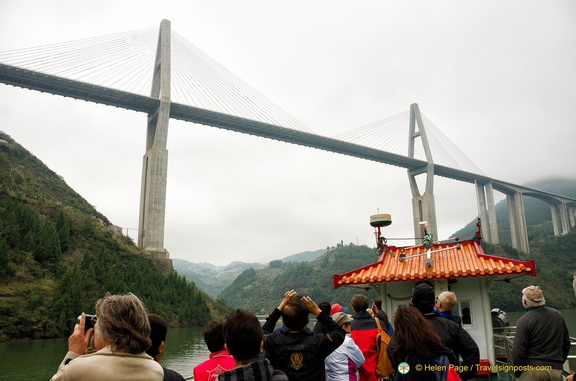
x: 155, y: 161
x: 423, y: 205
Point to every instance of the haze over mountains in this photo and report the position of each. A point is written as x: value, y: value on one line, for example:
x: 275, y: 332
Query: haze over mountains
x: 213, y: 279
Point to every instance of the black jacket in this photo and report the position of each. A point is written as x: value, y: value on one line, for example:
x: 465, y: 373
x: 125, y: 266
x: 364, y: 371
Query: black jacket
x: 455, y: 338
x: 301, y: 354
x: 425, y: 369
x: 541, y: 338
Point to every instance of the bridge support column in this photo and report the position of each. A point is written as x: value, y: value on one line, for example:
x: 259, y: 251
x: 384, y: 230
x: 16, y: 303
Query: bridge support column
x: 492, y: 214
x: 483, y: 212
x: 564, y: 218
x: 155, y: 162
x: 487, y: 212
x: 555, y: 219
x: 423, y: 209
x: 572, y: 215
x: 518, y: 230
x: 423, y: 206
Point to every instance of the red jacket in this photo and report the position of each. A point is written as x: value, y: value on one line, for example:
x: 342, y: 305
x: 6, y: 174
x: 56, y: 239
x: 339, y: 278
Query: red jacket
x: 364, y: 331
x: 209, y: 370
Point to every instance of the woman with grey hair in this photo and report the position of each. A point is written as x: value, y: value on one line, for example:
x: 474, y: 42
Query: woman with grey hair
x: 445, y: 302
x: 120, y: 337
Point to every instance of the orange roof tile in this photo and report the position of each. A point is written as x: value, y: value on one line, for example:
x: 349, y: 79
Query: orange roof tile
x: 447, y: 263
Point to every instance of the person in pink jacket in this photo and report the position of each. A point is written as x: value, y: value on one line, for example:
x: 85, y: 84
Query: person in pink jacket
x: 219, y: 359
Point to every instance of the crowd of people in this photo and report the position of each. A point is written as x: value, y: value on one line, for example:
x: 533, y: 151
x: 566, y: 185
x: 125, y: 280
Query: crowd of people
x: 126, y: 343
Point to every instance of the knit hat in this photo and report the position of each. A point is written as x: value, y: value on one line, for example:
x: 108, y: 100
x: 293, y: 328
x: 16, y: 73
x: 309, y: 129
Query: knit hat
x: 337, y: 308
x: 533, y: 293
x: 423, y: 297
x: 341, y: 318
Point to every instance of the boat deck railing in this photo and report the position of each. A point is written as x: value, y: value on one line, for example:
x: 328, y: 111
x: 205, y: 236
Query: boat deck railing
x: 503, y: 343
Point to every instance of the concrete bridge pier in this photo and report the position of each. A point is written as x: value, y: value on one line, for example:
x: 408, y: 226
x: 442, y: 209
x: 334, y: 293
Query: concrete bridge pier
x: 423, y: 206
x: 155, y: 161
x: 562, y: 218
x: 487, y: 212
x: 518, y: 230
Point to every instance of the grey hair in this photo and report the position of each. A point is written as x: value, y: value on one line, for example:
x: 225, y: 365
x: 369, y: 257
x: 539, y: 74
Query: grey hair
x: 448, y: 300
x: 529, y: 303
x: 123, y: 323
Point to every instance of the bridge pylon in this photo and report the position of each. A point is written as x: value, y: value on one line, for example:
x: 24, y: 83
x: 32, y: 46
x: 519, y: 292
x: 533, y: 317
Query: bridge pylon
x: 423, y: 205
x: 155, y: 161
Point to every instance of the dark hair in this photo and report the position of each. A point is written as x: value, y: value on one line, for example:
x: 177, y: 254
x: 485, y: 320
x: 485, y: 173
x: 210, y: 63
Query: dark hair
x: 378, y: 303
x: 213, y: 336
x: 295, y: 313
x: 325, y: 307
x: 123, y: 323
x: 423, y: 297
x: 414, y: 335
x: 158, y: 328
x: 243, y: 336
x: 359, y: 303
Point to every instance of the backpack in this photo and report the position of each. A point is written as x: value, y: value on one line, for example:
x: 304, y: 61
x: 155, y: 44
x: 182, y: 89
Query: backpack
x: 448, y: 373
x: 384, y: 366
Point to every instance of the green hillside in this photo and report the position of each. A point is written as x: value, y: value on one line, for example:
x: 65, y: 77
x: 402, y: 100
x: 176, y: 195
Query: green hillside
x: 57, y: 257
x: 213, y: 279
x: 260, y: 290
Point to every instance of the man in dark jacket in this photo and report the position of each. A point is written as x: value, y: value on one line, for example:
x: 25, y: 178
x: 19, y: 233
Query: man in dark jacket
x: 541, y: 340
x: 243, y: 339
x: 453, y: 335
x: 297, y: 352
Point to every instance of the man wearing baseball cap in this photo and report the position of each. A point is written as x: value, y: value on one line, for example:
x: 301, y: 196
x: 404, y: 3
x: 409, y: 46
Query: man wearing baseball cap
x: 542, y: 339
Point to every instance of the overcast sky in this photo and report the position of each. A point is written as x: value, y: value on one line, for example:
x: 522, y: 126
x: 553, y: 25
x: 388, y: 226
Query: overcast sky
x: 497, y: 77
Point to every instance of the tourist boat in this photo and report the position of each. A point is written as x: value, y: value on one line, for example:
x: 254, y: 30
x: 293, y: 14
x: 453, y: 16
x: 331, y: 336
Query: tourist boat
x: 452, y: 265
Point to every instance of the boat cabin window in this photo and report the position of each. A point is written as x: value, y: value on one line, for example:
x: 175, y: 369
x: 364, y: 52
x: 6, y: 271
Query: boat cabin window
x: 465, y: 312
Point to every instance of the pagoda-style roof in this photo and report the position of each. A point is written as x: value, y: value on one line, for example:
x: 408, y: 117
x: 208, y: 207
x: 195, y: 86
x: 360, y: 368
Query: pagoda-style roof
x: 448, y: 262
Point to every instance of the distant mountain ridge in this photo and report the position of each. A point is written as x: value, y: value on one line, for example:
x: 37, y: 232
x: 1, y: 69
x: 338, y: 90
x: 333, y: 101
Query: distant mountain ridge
x: 214, y: 279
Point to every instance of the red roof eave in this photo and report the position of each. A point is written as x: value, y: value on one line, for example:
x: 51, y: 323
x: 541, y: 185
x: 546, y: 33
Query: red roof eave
x: 375, y: 273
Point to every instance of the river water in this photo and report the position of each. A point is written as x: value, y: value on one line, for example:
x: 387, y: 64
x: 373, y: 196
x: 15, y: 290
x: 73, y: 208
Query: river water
x: 185, y: 348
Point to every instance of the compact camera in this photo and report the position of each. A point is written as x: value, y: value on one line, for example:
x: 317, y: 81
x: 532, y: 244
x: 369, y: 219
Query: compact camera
x: 88, y: 321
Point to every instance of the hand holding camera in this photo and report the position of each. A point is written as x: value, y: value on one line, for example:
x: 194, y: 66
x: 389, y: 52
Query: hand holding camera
x: 78, y: 341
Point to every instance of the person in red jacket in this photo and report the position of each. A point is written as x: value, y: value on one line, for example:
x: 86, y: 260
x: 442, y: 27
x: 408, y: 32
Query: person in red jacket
x: 219, y: 359
x: 364, y: 332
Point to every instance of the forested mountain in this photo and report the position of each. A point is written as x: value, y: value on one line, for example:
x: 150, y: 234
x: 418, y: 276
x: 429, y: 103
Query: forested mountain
x: 213, y: 279
x: 210, y: 278
x: 555, y: 265
x: 261, y: 290
x: 58, y: 256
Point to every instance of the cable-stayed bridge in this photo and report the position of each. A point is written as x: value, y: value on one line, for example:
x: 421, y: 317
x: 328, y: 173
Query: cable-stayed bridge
x: 158, y: 72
